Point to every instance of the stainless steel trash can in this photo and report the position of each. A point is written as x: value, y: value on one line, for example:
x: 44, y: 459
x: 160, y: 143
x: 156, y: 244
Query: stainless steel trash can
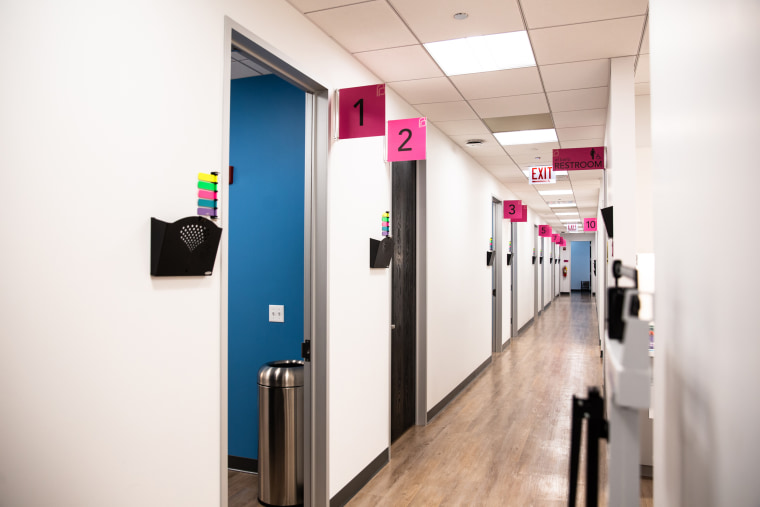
x: 281, y: 433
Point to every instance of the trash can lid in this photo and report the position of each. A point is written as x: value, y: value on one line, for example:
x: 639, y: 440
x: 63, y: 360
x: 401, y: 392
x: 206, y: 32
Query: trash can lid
x: 288, y: 373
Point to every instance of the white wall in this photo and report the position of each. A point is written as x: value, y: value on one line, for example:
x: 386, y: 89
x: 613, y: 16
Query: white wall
x: 525, y: 243
x: 644, y: 204
x: 705, y: 102
x: 459, y: 281
x: 112, y: 379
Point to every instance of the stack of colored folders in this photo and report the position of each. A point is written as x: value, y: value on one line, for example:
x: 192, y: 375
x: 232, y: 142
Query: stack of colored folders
x: 386, y: 223
x: 207, y: 194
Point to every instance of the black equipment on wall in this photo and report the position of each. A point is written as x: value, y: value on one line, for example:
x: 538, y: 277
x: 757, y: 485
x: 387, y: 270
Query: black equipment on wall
x: 616, y: 297
x: 607, y: 216
x: 509, y: 259
x: 380, y: 252
x: 186, y: 247
x: 590, y: 409
x: 489, y: 257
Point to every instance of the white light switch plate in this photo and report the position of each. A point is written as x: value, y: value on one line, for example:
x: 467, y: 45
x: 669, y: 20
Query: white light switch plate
x: 276, y: 313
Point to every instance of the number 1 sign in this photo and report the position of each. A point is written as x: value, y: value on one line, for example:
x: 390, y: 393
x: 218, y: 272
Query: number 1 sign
x: 361, y: 111
x: 407, y: 139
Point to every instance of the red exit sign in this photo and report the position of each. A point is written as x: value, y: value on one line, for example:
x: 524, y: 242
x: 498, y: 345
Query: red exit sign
x: 542, y: 174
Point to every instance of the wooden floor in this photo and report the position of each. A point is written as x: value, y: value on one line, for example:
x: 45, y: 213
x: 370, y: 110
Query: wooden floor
x: 506, y: 439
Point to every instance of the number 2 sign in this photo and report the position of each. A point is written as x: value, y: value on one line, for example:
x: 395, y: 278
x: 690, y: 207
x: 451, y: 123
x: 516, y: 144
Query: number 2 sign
x: 407, y: 139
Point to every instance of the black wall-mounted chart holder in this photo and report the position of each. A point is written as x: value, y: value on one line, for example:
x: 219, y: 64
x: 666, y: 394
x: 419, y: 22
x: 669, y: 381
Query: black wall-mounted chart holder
x: 186, y: 247
x: 489, y: 257
x: 541, y: 260
x: 380, y: 252
x: 509, y: 259
x: 534, y: 259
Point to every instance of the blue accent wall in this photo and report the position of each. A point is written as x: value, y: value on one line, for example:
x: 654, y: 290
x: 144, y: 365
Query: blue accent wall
x: 266, y: 228
x: 580, y: 267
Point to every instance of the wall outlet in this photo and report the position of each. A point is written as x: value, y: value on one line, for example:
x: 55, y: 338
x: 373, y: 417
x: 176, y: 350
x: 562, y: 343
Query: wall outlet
x: 276, y: 313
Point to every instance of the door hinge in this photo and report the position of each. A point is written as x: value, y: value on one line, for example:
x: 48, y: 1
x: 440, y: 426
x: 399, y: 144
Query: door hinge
x: 306, y: 350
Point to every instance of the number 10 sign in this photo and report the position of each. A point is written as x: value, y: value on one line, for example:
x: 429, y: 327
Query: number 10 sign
x: 407, y: 139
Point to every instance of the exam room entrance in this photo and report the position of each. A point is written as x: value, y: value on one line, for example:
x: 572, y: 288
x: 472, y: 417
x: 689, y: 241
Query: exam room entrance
x: 274, y: 260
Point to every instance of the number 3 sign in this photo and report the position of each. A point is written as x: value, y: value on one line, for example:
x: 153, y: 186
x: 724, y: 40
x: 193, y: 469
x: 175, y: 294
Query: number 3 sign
x: 407, y: 139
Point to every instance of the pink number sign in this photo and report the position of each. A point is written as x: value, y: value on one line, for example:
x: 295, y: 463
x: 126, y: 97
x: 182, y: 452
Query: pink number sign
x: 589, y: 224
x: 407, y: 139
x: 361, y: 111
x: 512, y: 209
x: 524, y: 216
x: 555, y: 238
x: 545, y: 231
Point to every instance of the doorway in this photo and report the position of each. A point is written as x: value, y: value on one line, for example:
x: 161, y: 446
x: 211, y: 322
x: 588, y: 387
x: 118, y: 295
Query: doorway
x: 496, y: 275
x: 513, y: 260
x: 305, y: 311
x: 580, y: 266
x: 536, y: 307
x: 403, y: 297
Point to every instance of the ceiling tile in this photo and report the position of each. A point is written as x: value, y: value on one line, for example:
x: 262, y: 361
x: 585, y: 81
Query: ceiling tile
x: 577, y: 133
x: 494, y: 160
x: 642, y: 70
x: 489, y: 148
x: 424, y: 91
x: 573, y: 100
x: 520, y: 122
x: 582, y: 118
x: 583, y: 143
x: 318, y: 5
x: 511, y: 106
x: 527, y: 160
x: 531, y: 148
x: 400, y: 64
x: 348, y: 25
x: 500, y: 83
x: 447, y: 111
x: 576, y: 75
x: 595, y: 174
x: 564, y: 12
x: 587, y: 41
x: 433, y: 20
x: 463, y: 127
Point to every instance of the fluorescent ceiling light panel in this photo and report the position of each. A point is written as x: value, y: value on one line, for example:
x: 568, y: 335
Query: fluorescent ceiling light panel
x: 567, y: 214
x: 571, y: 220
x: 562, y: 205
x: 555, y: 192
x: 526, y: 137
x: 483, y: 53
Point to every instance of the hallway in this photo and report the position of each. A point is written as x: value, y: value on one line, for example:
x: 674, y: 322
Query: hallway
x: 506, y: 439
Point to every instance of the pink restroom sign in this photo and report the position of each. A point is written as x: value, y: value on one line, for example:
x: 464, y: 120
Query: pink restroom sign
x: 578, y: 159
x: 361, y: 111
x: 407, y: 139
x: 589, y: 224
x: 512, y: 209
x: 545, y: 231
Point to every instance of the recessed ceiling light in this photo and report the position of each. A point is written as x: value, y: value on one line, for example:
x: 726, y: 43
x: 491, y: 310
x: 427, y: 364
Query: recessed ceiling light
x: 474, y: 143
x: 483, y: 53
x: 555, y: 192
x: 568, y: 213
x: 461, y: 15
x: 561, y: 204
x: 526, y: 137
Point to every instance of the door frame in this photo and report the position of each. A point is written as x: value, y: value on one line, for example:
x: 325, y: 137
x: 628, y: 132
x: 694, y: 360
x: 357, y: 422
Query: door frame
x: 316, y: 304
x: 496, y: 276
x: 536, y: 307
x: 514, y: 329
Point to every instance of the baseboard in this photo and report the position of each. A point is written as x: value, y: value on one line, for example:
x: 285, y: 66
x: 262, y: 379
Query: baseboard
x: 355, y: 485
x: 547, y: 305
x: 243, y: 464
x: 526, y: 326
x: 505, y: 344
x: 457, y: 390
x: 564, y: 293
x: 647, y: 471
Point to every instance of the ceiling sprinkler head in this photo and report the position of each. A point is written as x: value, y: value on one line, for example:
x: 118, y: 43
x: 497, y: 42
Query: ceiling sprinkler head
x: 461, y: 15
x: 474, y: 143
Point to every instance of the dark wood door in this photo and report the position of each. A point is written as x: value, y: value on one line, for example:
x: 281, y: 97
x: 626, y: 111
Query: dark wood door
x: 404, y: 305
